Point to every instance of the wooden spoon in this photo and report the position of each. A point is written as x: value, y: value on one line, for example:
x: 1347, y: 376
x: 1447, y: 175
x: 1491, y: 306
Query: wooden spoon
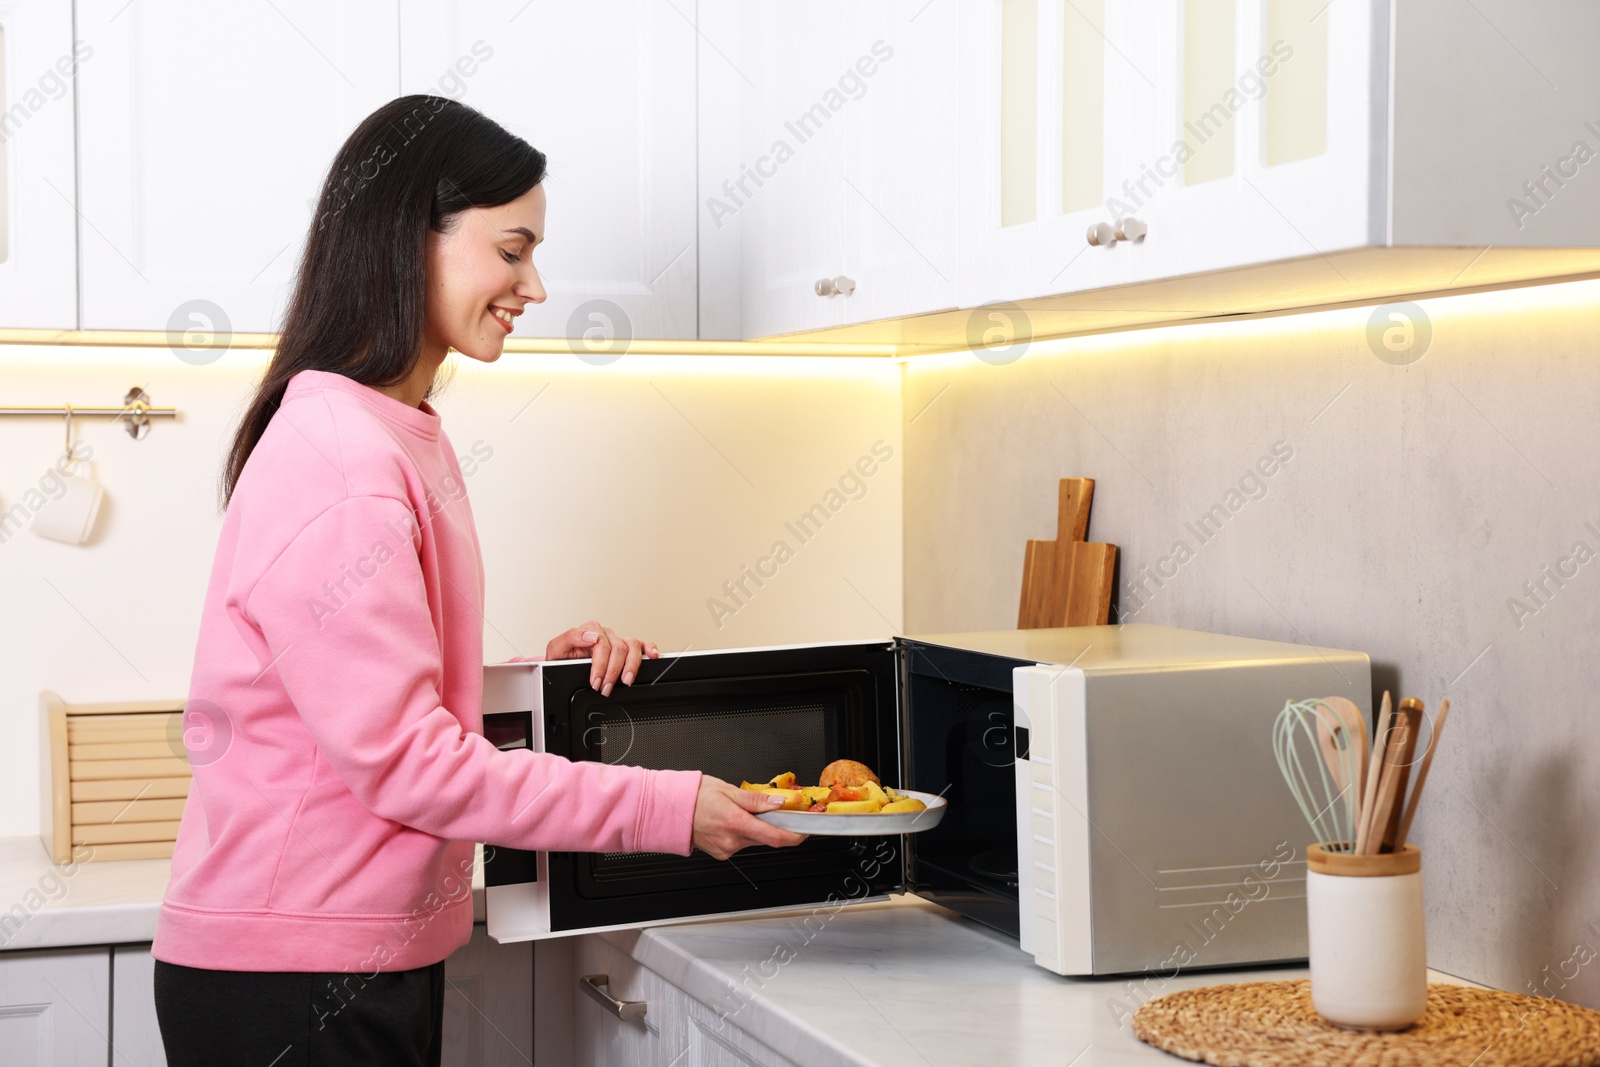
x: 1328, y: 744
x: 1354, y: 725
x: 1344, y: 748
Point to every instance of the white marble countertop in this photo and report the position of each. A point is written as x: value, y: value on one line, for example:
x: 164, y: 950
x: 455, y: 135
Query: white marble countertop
x: 906, y: 984
x: 113, y: 902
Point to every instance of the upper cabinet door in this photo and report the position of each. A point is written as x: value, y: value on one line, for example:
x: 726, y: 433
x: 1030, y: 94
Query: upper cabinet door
x: 205, y: 132
x: 1272, y: 133
x: 788, y: 194
x: 1107, y: 142
x: 900, y: 176
x: 1060, y: 102
x: 38, y: 232
x: 845, y: 189
x: 606, y: 89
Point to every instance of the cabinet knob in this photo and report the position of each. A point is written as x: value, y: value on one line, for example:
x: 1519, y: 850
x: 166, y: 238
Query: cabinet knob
x: 840, y: 286
x: 1132, y: 229
x: 824, y: 287
x: 1101, y: 233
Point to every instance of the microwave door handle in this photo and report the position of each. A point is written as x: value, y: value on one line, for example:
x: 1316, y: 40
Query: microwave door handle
x: 598, y: 986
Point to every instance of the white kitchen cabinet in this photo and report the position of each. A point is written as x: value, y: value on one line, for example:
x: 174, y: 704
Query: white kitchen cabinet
x: 488, y: 1006
x: 847, y: 168
x: 606, y: 89
x: 714, y: 1042
x: 600, y: 1038
x: 676, y: 1030
x: 55, y: 1007
x: 38, y: 224
x: 135, y: 1031
x: 204, y: 134
x: 1249, y: 132
x: 1271, y: 135
x: 1236, y: 131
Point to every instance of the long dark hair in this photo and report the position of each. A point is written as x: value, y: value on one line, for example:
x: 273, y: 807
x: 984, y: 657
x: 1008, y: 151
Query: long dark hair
x: 410, y: 167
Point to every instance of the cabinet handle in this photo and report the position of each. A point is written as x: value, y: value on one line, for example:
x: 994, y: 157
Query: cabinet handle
x: 840, y: 286
x: 1132, y: 229
x: 1101, y: 233
x: 598, y: 986
x: 824, y: 287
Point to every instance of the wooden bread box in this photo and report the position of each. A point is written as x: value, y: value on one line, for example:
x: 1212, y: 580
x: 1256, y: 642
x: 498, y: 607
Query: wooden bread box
x: 113, y: 778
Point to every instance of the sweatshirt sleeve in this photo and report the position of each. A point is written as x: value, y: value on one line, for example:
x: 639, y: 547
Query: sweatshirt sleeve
x: 361, y: 664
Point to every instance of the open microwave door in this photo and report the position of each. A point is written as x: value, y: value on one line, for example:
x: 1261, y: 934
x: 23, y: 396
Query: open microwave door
x: 740, y: 714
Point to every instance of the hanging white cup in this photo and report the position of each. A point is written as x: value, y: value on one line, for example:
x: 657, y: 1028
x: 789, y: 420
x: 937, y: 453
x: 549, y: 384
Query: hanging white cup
x: 1369, y: 959
x: 69, y: 513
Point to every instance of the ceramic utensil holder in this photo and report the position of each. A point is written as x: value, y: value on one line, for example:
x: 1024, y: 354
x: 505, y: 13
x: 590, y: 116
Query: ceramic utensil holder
x: 1368, y: 956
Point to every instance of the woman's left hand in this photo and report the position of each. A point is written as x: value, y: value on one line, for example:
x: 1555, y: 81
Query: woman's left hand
x: 614, y: 657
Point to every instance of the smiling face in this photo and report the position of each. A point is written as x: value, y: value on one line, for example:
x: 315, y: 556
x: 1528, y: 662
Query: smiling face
x: 481, y: 276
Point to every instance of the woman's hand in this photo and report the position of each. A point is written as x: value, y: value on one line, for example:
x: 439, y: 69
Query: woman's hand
x: 613, y: 656
x: 724, y: 823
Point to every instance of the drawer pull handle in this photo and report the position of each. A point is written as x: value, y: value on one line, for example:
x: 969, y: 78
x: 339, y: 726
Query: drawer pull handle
x: 598, y: 986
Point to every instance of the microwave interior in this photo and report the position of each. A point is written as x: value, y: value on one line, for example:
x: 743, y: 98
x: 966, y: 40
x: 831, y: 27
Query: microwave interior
x: 736, y: 716
x: 963, y: 743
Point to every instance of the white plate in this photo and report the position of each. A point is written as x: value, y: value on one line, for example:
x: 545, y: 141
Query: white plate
x: 862, y: 825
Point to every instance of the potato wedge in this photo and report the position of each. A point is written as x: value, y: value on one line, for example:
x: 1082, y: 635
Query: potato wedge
x: 854, y: 807
x: 906, y: 804
x: 793, y: 799
x: 817, y: 793
x: 786, y: 780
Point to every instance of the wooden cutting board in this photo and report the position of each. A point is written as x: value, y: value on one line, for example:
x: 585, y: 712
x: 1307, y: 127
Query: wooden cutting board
x: 1068, y: 581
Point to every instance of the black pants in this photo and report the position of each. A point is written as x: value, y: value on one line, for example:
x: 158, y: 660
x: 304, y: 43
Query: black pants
x: 299, y: 1019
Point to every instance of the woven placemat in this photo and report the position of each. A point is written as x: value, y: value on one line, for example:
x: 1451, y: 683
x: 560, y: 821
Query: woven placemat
x: 1272, y: 1024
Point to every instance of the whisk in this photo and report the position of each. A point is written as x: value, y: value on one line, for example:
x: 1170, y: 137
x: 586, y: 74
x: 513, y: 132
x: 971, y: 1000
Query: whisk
x: 1321, y: 747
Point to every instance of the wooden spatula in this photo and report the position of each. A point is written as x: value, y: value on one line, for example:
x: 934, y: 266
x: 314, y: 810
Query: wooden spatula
x: 1411, y: 728
x: 1369, y: 796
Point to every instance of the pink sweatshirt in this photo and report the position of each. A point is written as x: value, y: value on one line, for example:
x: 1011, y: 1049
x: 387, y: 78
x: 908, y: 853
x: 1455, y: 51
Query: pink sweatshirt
x: 334, y: 719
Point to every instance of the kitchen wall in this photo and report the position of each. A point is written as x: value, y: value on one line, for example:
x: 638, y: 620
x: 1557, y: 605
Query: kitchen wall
x: 1409, y: 505
x: 630, y: 493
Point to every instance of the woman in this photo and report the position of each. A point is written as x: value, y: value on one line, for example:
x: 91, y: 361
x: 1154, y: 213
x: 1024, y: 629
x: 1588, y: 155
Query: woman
x: 322, y: 869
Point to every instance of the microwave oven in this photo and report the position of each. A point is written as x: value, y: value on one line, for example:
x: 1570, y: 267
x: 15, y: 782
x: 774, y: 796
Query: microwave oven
x: 1114, y: 801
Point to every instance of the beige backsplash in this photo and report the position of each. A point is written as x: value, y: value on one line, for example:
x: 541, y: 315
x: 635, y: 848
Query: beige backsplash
x: 629, y: 493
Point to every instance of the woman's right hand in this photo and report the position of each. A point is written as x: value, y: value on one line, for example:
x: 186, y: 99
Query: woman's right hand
x: 724, y: 821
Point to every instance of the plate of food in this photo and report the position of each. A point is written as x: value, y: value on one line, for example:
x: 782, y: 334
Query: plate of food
x: 848, y: 801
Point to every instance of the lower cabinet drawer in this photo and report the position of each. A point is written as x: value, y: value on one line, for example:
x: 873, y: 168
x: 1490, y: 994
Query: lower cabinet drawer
x: 675, y: 1031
